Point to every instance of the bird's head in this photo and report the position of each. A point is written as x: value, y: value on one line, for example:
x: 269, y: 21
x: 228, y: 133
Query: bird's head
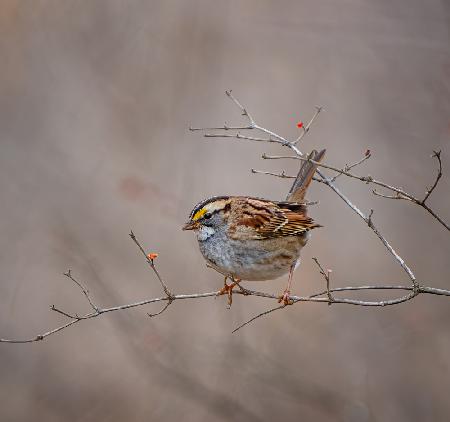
x: 208, y: 213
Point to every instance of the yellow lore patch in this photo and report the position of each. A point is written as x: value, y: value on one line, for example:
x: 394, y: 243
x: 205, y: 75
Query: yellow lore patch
x: 199, y: 214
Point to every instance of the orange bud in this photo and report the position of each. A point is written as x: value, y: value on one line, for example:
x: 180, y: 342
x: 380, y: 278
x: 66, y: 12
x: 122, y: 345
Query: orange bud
x: 152, y: 256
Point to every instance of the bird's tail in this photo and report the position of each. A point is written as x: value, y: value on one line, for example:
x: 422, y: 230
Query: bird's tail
x: 304, y: 177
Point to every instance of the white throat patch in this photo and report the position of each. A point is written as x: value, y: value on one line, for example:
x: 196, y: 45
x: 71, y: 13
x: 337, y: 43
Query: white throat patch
x: 204, y: 232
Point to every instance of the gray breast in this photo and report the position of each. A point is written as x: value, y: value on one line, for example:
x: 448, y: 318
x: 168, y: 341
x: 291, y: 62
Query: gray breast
x: 264, y: 259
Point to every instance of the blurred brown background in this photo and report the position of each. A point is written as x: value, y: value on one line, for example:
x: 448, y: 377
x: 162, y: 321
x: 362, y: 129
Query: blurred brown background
x: 96, y: 100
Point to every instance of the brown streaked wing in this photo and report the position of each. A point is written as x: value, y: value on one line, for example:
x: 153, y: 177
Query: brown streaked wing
x: 272, y: 219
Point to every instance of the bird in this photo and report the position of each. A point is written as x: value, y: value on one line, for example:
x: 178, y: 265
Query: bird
x: 248, y: 238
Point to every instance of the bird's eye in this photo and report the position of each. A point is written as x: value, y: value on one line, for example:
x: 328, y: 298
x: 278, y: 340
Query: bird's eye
x: 207, y: 216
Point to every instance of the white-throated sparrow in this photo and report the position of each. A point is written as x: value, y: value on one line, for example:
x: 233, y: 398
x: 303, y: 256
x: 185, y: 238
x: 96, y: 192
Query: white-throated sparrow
x: 246, y: 238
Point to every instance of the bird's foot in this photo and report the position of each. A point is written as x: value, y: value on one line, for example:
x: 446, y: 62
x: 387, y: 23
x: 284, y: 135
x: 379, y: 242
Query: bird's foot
x: 285, y: 298
x: 228, y: 290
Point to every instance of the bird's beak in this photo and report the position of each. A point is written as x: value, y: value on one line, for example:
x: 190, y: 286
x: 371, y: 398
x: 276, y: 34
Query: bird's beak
x: 191, y: 225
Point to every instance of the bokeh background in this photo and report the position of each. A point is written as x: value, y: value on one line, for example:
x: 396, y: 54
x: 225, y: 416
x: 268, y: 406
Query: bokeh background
x: 96, y: 101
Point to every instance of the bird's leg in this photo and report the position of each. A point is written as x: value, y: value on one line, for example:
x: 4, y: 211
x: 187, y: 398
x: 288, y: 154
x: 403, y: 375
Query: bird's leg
x: 228, y: 289
x: 225, y: 287
x: 285, y: 297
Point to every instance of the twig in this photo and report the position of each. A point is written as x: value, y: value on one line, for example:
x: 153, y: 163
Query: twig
x: 281, y: 175
x: 59, y: 311
x: 326, y: 275
x: 367, y: 179
x: 369, y: 222
x: 348, y: 167
x: 246, y: 292
x: 150, y: 262
x: 224, y: 127
x: 396, y: 196
x: 252, y: 124
x: 437, y: 155
x: 308, y: 126
x: 169, y: 302
x: 401, y: 194
x: 238, y: 136
x: 152, y: 266
x: 68, y: 274
x: 331, y: 299
x: 258, y: 316
x: 229, y: 93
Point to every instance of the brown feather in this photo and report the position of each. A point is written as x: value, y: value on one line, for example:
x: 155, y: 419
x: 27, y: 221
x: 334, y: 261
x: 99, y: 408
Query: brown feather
x: 304, y: 177
x: 268, y: 219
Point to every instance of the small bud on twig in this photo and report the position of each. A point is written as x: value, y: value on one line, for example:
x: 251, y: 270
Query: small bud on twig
x: 151, y: 256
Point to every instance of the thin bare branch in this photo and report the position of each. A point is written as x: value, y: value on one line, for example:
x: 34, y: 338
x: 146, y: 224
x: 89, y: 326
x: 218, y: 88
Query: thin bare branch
x: 326, y: 276
x: 60, y: 311
x: 308, y: 126
x: 243, y: 109
x: 367, y: 179
x: 272, y: 135
x: 268, y: 173
x: 258, y: 316
x: 169, y: 302
x: 264, y: 156
x: 348, y: 167
x: 68, y: 274
x: 40, y: 337
x: 238, y: 136
x: 369, y: 222
x: 437, y: 155
x: 224, y: 127
x: 396, y: 196
x: 282, y: 175
x: 246, y: 292
x: 402, y: 194
x: 433, y: 213
x: 151, y: 263
x: 152, y: 266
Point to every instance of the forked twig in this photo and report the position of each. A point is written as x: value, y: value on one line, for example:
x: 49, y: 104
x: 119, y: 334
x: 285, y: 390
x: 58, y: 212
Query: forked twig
x: 348, y: 167
x: 399, y: 192
x: 326, y: 275
x: 437, y: 155
x: 152, y: 266
x: 68, y: 274
x: 308, y: 126
x: 316, y: 297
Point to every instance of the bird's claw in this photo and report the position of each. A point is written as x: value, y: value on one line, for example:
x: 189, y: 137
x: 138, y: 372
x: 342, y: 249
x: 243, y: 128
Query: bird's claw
x: 228, y: 290
x: 285, y: 298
